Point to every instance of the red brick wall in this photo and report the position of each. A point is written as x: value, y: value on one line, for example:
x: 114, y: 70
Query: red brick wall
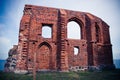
x: 56, y: 53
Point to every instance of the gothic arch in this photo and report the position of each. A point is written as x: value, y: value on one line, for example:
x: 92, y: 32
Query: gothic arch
x: 43, y: 57
x: 45, y: 43
x: 97, y: 33
x: 80, y: 23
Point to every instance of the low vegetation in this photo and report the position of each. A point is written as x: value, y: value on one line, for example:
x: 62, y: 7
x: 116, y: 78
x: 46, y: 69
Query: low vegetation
x: 103, y: 75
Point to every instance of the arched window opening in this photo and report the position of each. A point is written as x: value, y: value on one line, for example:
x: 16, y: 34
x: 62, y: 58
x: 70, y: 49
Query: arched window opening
x: 97, y: 30
x: 76, y: 50
x: 46, y: 31
x: 73, y: 30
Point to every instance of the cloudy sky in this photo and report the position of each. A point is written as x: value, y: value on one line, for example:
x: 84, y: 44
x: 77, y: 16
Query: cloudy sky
x: 11, y: 12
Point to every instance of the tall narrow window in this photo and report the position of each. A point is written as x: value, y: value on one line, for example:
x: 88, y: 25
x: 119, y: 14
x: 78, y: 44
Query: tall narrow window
x: 76, y: 50
x: 73, y: 30
x: 46, y: 31
x: 97, y: 32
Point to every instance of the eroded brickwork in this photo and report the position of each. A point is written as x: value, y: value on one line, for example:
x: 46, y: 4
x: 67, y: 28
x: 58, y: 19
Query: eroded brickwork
x: 56, y: 53
x: 11, y: 60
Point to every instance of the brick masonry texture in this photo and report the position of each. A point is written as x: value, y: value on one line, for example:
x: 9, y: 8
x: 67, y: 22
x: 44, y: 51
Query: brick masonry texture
x: 57, y: 53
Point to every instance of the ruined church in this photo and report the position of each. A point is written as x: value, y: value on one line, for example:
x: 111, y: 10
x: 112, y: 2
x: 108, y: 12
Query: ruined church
x: 56, y: 52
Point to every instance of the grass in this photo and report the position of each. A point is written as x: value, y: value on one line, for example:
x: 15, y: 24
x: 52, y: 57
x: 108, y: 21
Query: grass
x: 104, y: 75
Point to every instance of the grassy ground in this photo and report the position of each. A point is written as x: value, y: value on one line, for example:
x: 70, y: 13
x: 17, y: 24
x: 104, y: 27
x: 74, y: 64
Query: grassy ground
x: 104, y: 75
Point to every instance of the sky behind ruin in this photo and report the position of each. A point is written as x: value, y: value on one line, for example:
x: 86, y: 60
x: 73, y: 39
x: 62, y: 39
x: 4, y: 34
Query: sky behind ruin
x: 11, y: 12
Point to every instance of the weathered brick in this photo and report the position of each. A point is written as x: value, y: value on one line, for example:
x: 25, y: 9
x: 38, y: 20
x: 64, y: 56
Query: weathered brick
x: 57, y: 52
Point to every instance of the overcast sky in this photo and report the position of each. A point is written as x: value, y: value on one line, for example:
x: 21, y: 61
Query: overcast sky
x: 11, y: 12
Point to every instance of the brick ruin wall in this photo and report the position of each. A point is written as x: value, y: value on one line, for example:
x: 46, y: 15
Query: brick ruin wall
x: 56, y: 53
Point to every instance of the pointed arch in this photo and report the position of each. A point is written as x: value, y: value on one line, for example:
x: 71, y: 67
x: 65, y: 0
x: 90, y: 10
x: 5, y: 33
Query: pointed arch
x: 75, y: 28
x: 97, y: 33
x: 43, y: 58
x: 45, y: 43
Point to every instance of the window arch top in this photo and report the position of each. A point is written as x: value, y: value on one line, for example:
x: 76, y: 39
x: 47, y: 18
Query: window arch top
x: 73, y: 30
